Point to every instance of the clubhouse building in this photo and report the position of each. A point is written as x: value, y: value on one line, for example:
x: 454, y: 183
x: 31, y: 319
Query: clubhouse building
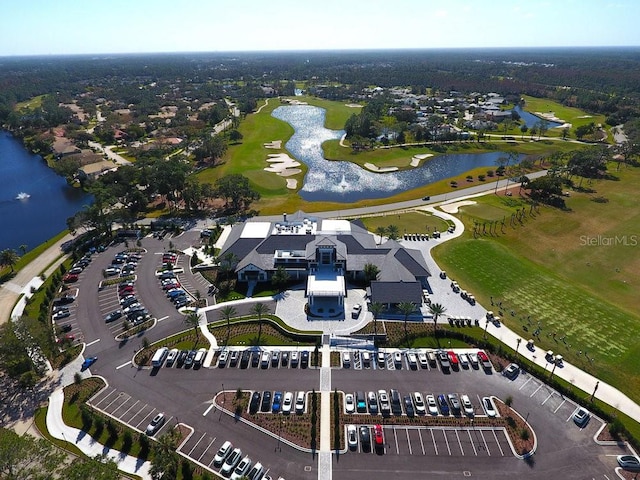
x: 327, y: 255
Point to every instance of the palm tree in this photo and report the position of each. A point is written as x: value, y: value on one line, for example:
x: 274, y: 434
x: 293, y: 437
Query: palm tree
x: 9, y: 257
x: 376, y: 309
x: 371, y: 272
x: 406, y: 308
x: 393, y: 232
x: 227, y: 312
x: 259, y: 309
x: 193, y: 320
x: 436, y: 310
x: 381, y: 232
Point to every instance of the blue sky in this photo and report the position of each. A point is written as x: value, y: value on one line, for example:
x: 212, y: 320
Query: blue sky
x: 37, y: 27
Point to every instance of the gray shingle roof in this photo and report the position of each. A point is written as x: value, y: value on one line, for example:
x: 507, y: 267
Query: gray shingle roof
x: 396, y: 292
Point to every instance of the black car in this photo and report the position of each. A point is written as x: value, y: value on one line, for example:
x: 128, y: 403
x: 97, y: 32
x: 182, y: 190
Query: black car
x: 255, y: 402
x: 304, y: 359
x: 188, y: 362
x: 182, y: 356
x: 265, y: 406
x: 255, y: 358
x: 396, y: 407
x: 116, y: 314
x: 244, y: 359
x: 64, y: 300
x: 408, y: 406
x: 365, y: 438
x: 65, y: 328
x: 284, y: 359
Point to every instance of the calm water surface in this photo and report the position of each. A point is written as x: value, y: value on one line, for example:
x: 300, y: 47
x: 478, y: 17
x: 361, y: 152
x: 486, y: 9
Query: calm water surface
x: 33, y: 220
x: 347, y: 182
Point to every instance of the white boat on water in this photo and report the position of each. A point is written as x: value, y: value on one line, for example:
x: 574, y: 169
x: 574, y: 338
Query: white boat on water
x: 22, y: 196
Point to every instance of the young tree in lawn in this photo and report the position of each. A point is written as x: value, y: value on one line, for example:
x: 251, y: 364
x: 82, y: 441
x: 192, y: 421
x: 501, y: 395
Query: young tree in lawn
x: 259, y: 309
x: 381, y: 232
x: 393, y: 232
x: 406, y: 308
x: 436, y: 309
x: 227, y: 312
x: 376, y: 309
x: 193, y: 320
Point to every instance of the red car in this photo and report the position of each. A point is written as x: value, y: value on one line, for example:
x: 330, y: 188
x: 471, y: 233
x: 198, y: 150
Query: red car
x: 67, y: 338
x: 453, y: 358
x: 125, y: 290
x: 378, y: 436
x: 484, y: 359
x: 70, y: 278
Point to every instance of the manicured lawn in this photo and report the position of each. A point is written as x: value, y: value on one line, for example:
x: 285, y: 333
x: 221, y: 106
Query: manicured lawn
x: 574, y: 116
x: 412, y: 222
x: 544, y: 271
x: 30, y: 104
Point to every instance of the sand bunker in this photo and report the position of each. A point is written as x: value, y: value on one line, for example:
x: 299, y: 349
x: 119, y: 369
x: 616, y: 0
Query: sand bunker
x: 292, y: 183
x: 353, y: 105
x: 415, y: 161
x: 292, y: 101
x: 375, y: 168
x: 549, y: 116
x: 274, y: 144
x: 453, y: 207
x: 284, y: 166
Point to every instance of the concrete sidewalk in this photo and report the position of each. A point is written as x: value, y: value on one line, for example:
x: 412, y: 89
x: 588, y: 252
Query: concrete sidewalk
x: 58, y: 429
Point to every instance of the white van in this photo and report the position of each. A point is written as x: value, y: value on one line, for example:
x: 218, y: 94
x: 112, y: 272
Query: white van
x: 159, y: 357
x: 199, y: 358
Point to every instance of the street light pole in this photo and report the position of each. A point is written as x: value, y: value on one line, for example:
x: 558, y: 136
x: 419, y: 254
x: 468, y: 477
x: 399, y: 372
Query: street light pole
x: 594, y: 390
x: 518, y: 345
x: 486, y: 325
x: 554, y: 368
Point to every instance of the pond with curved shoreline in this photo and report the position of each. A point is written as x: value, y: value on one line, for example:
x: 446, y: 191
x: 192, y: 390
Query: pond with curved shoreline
x: 340, y: 181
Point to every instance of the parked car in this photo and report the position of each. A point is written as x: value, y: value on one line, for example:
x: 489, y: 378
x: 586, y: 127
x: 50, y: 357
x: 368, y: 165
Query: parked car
x: 422, y: 359
x: 70, y: 278
x: 275, y: 358
x: 385, y: 405
x: 581, y: 417
x: 265, y: 405
x: 349, y: 403
x: 69, y: 337
x: 171, y: 357
x: 432, y: 405
x: 413, y: 360
x: 222, y: 359
x: 304, y: 359
x: 379, y: 436
x: 466, y: 404
x: 287, y: 402
x: 484, y: 360
x: 454, y: 401
x: 397, y: 359
x: 355, y: 311
x: 473, y: 359
x: 511, y: 371
x: 346, y: 359
x: 418, y: 401
x: 116, y: 314
x: 295, y: 358
x: 230, y: 462
x: 222, y: 453
x: 300, y: 399
x: 453, y: 359
x: 60, y: 315
x: 65, y: 328
x: 256, y: 472
x: 488, y: 407
x: 443, y: 358
x: 254, y: 403
x: 241, y: 470
x: 443, y: 405
x: 628, y: 462
x: 372, y: 402
x: 277, y: 402
x: 361, y: 402
x: 352, y: 437
x: 408, y: 406
x: 155, y: 425
x: 464, y: 360
x: 188, y: 361
x: 265, y: 359
x: 365, y: 438
x: 64, y: 300
x: 182, y: 356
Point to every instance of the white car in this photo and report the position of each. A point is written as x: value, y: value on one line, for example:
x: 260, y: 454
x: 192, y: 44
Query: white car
x: 222, y: 359
x: 287, y: 402
x: 172, y: 356
x: 422, y: 359
x: 242, y: 469
x: 418, y: 400
x: 473, y: 358
x: 413, y: 360
x: 385, y: 405
x: 300, y: 402
x: 230, y: 462
x: 466, y: 404
x: 349, y: 403
x: 156, y: 424
x: 464, y: 360
x: 222, y: 453
x: 432, y: 405
x: 488, y: 407
x: 397, y: 359
x: 346, y: 359
x: 352, y: 437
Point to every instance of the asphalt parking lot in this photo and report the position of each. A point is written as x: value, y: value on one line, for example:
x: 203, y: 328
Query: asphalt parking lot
x: 135, y: 395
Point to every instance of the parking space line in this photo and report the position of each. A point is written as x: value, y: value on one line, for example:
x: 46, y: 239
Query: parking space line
x: 498, y: 443
x: 111, y: 402
x: 208, y: 409
x: 523, y: 385
x: 165, y: 425
x: 545, y: 400
x: 444, y: 434
x: 408, y: 441
x: 194, y: 447
x: 556, y: 410
x: 396, y: 439
x: 571, y: 416
x: 536, y: 390
x: 127, y: 411
x: 421, y: 442
x: 104, y: 398
x: 433, y: 439
x: 145, y: 417
x: 459, y: 442
x: 484, y: 440
x: 137, y: 413
x: 163, y: 318
x: 120, y: 406
x: 472, y: 444
x: 206, y: 449
x: 123, y: 365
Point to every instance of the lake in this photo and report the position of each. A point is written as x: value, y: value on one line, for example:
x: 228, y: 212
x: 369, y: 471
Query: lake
x: 46, y: 202
x: 346, y: 182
